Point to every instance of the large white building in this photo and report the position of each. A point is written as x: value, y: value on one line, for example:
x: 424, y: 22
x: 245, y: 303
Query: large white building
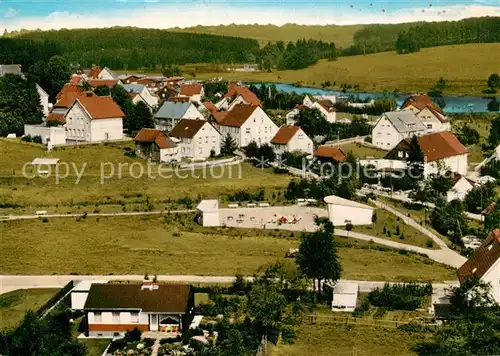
x: 394, y: 126
x: 291, y: 139
x: 431, y: 115
x: 343, y: 211
x: 442, y: 152
x: 196, y: 139
x: 485, y: 264
x: 94, y: 118
x: 246, y: 123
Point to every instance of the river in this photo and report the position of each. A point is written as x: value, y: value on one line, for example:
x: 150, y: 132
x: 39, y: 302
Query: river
x: 454, y: 104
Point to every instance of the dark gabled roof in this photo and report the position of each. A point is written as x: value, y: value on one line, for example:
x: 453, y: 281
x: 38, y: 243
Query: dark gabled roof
x: 187, y: 128
x: 168, y: 298
x: 483, y: 258
x: 153, y: 135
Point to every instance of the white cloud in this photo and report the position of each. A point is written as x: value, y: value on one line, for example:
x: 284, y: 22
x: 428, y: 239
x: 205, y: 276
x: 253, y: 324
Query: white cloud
x: 10, y: 12
x: 167, y: 16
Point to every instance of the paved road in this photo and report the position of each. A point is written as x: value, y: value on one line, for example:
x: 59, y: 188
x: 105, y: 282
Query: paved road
x: 13, y: 282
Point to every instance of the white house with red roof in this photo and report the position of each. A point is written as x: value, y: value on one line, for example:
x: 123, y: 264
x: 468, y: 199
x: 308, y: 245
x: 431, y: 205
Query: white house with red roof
x: 155, y: 145
x: 237, y: 94
x: 197, y: 139
x: 291, y: 139
x: 461, y: 186
x: 94, y: 118
x: 326, y: 108
x: 431, y: 115
x: 193, y: 91
x: 245, y: 123
x: 485, y: 264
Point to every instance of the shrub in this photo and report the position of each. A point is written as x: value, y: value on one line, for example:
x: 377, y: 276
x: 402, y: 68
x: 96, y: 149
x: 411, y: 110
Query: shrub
x: 429, y: 243
x: 27, y: 138
x: 170, y: 340
x: 133, y: 335
x: 45, y: 220
x: 381, y: 311
x: 148, y: 342
x: 362, y: 309
x: 405, y: 296
x: 37, y: 139
x: 117, y: 344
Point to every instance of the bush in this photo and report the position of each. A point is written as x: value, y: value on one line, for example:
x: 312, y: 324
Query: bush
x: 406, y: 296
x: 148, y: 342
x: 37, y: 139
x: 133, y: 335
x: 362, y: 309
x: 117, y: 344
x: 26, y: 138
x: 429, y: 243
x: 171, y: 340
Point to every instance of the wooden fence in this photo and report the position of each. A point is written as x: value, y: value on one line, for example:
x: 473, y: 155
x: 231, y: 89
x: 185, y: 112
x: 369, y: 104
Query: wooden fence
x: 362, y: 321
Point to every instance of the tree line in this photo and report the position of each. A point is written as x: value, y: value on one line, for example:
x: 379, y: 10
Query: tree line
x: 133, y: 48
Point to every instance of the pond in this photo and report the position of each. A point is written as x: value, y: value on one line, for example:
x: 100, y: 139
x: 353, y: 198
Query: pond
x: 454, y: 104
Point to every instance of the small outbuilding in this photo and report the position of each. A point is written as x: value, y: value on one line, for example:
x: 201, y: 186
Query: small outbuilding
x: 345, y: 296
x: 342, y: 211
x: 209, y: 210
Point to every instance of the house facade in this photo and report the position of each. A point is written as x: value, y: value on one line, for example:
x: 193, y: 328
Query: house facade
x: 171, y: 113
x: 394, y: 126
x: 142, y: 90
x: 194, y: 92
x: 94, y: 118
x: 326, y: 108
x: 461, y: 186
x: 236, y: 95
x: 442, y: 152
x: 106, y: 74
x: 343, y: 211
x: 196, y: 139
x: 291, y: 139
x: 154, y: 145
x: 485, y: 264
x: 431, y: 115
x: 112, y: 309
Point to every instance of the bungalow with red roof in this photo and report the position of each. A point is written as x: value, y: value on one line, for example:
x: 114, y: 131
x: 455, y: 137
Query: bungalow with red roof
x: 442, y: 152
x: 330, y: 154
x: 112, y: 309
x: 156, y: 145
x: 245, y: 123
x: 485, y: 264
x: 197, y: 139
x: 193, y: 91
x: 431, y: 115
x: 291, y: 139
x: 94, y: 118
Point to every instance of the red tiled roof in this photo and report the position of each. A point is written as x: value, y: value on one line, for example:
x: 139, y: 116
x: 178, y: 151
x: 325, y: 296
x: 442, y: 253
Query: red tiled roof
x: 483, y: 258
x: 57, y: 118
x: 69, y: 88
x: 187, y: 128
x: 236, y: 90
x: 157, y: 136
x: 75, y: 79
x: 94, y: 72
x: 210, y: 106
x: 285, y: 134
x: 439, y: 145
x: 327, y: 105
x: 191, y: 89
x: 178, y: 99
x: 489, y: 209
x: 100, y: 107
x: 219, y: 116
x: 238, y: 115
x: 330, y: 152
x: 422, y: 101
x: 102, y: 83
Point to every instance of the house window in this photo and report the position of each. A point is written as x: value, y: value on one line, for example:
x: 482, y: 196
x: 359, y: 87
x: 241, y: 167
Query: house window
x: 199, y: 139
x: 200, y: 150
x: 400, y: 154
x: 206, y: 139
x: 213, y: 139
x: 134, y: 317
x: 116, y: 317
x: 97, y: 317
x: 429, y: 126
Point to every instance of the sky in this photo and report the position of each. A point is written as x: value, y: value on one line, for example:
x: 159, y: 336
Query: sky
x: 55, y: 14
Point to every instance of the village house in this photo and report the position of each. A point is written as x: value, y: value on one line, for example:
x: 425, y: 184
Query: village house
x: 197, y: 139
x: 142, y: 90
x: 136, y: 98
x: 431, y: 115
x: 76, y: 79
x: 193, y: 91
x: 461, y: 186
x: 291, y: 139
x: 343, y: 211
x: 64, y: 99
x: 94, y: 118
x: 167, y: 92
x: 326, y: 109
x: 485, y: 264
x: 96, y: 83
x: 210, y: 107
x: 44, y: 100
x: 97, y: 73
x: 112, y: 309
x: 129, y: 78
x: 245, y: 123
x: 171, y: 113
x: 237, y: 94
x: 290, y: 116
x: 394, y: 126
x: 442, y: 152
x: 152, y: 83
x: 329, y: 154
x: 155, y: 145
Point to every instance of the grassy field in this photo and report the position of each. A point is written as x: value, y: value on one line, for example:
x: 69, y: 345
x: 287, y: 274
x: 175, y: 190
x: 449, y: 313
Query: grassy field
x: 483, y: 126
x: 361, y: 151
x: 95, y: 347
x: 92, y: 193
x: 464, y: 70
x: 328, y: 339
x: 341, y: 35
x: 135, y: 245
x: 14, y: 304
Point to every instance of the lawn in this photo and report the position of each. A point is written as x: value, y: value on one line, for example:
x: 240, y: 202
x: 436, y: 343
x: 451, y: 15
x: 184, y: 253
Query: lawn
x: 176, y: 245
x: 95, y: 347
x: 463, y: 69
x: 328, y: 339
x: 361, y: 151
x: 389, y: 222
x: 14, y: 304
x: 92, y: 193
x: 483, y: 126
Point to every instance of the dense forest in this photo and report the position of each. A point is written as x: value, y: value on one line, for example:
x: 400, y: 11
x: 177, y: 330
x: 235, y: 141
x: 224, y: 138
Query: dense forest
x: 25, y: 52
x: 298, y: 55
x: 134, y: 48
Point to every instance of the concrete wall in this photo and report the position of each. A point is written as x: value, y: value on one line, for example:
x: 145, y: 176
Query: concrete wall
x: 457, y: 164
x: 338, y: 214
x: 78, y: 300
x: 56, y: 134
x: 106, y: 129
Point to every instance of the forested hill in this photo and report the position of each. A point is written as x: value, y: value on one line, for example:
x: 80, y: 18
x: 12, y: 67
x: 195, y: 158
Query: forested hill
x: 134, y: 48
